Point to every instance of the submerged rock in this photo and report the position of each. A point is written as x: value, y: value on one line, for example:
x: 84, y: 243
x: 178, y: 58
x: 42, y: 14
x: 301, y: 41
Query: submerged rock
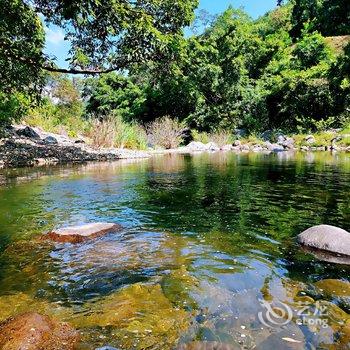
x: 32, y: 331
x: 334, y: 287
x: 284, y: 340
x: 333, y: 258
x: 328, y: 238
x: 140, y: 316
x: 207, y: 345
x: 79, y: 234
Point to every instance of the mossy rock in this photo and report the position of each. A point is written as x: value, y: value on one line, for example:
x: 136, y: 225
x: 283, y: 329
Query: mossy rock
x: 334, y: 287
x: 19, y: 303
x: 178, y: 285
x: 140, y: 315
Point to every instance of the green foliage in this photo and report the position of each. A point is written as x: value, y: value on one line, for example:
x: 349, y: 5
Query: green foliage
x: 112, y: 93
x: 20, y: 80
x: 118, y: 33
x: 238, y: 73
x: 277, y: 72
x: 311, y: 50
x: 113, y: 34
x: 63, y: 116
x: 12, y: 107
x: 328, y: 17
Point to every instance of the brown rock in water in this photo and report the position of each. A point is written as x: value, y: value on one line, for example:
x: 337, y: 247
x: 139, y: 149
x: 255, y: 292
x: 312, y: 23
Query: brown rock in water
x: 206, y: 345
x: 79, y: 234
x: 32, y: 331
x: 328, y: 238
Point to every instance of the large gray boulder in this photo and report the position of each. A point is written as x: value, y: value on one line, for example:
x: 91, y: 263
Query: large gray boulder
x: 328, y: 238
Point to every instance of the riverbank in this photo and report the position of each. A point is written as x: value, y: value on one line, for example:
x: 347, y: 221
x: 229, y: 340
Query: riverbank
x: 23, y: 146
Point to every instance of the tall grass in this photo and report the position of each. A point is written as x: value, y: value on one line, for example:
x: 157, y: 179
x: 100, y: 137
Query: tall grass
x: 114, y: 132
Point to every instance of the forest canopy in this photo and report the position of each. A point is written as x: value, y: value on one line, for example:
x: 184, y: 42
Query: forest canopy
x: 289, y: 69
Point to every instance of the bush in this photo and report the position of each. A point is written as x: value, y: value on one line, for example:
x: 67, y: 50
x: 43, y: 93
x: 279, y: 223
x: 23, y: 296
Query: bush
x: 13, y: 107
x: 165, y: 132
x: 103, y: 133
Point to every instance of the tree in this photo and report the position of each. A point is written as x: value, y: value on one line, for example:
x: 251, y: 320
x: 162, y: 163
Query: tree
x: 21, y: 31
x: 114, y: 94
x: 105, y: 36
x: 329, y: 17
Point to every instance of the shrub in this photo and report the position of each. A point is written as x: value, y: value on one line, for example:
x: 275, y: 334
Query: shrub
x: 311, y: 50
x: 129, y: 135
x: 165, y: 132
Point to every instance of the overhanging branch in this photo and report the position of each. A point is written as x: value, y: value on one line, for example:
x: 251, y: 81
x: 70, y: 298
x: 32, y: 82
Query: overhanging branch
x: 79, y: 71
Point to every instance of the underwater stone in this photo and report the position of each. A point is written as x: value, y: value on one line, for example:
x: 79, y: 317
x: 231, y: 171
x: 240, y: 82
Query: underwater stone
x: 32, y: 331
x: 79, y: 234
x: 207, y: 345
x: 328, y: 238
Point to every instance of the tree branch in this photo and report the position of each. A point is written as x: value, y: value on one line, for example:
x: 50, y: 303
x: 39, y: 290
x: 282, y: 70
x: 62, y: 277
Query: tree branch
x: 78, y: 71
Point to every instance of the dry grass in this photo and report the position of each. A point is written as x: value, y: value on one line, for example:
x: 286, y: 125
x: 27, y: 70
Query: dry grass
x: 113, y: 132
x: 165, y: 133
x: 221, y: 138
x: 102, y: 133
x: 338, y: 43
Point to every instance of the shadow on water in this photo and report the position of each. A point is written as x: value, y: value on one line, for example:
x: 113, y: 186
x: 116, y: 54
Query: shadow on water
x: 205, y: 238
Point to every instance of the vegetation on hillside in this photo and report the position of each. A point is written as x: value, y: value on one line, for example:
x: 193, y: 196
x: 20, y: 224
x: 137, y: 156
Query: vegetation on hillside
x: 288, y: 70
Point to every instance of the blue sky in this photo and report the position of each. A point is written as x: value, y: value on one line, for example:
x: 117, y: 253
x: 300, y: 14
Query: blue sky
x: 56, y: 46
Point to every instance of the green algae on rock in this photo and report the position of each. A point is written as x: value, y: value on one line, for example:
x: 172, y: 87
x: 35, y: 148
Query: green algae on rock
x: 15, y: 304
x: 140, y: 314
x: 334, y: 287
x: 177, y: 287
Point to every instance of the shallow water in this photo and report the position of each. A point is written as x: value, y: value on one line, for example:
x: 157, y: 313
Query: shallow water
x: 206, y: 239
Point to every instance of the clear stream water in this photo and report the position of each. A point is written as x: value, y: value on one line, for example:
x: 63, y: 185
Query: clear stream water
x: 208, y: 242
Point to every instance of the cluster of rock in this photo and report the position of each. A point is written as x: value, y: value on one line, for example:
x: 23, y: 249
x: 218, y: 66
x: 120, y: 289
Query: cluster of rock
x: 282, y: 144
x: 26, y: 146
